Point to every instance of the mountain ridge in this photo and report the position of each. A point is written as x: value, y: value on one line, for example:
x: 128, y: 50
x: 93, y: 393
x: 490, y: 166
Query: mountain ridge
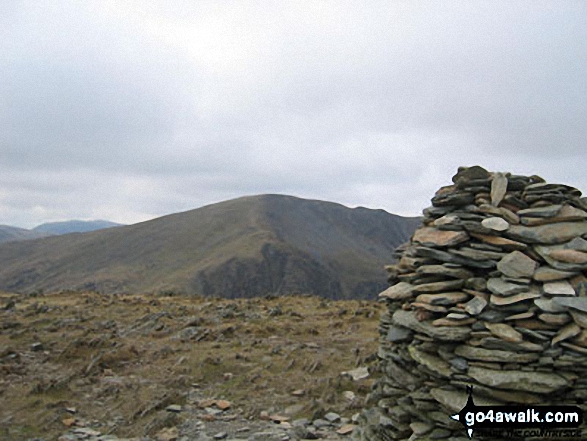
x: 74, y: 226
x: 9, y: 234
x: 244, y: 247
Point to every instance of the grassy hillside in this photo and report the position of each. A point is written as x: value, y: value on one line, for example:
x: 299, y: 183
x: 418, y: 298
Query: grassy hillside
x: 240, y: 248
x: 114, y: 363
x: 10, y: 234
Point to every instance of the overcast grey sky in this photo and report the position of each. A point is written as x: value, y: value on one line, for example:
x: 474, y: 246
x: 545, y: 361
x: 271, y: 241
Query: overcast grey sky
x: 128, y: 110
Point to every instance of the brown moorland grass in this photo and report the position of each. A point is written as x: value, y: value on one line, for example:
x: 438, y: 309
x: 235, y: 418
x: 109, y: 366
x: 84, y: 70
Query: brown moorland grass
x: 120, y: 360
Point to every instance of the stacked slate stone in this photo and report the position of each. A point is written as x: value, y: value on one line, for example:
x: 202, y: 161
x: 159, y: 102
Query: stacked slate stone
x: 490, y: 292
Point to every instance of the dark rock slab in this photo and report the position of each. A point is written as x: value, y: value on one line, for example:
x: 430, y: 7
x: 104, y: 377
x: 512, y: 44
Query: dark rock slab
x: 578, y: 303
x: 538, y: 382
x: 432, y: 237
x: 499, y: 186
x: 444, y: 256
x: 447, y: 285
x: 399, y: 291
x: 432, y: 362
x: 549, y: 234
x: 549, y: 274
x: 477, y: 255
x: 517, y: 264
x: 443, y: 270
x: 396, y: 334
x: 546, y: 211
x: 495, y: 355
x: 408, y: 320
x: 499, y: 286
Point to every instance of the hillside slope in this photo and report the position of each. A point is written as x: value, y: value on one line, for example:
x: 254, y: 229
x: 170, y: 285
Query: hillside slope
x: 9, y: 234
x: 268, y: 244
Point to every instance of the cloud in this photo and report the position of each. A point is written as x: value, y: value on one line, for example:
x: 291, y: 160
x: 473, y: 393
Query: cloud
x: 130, y: 110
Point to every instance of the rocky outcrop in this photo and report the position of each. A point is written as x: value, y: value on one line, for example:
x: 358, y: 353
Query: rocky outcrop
x: 490, y: 292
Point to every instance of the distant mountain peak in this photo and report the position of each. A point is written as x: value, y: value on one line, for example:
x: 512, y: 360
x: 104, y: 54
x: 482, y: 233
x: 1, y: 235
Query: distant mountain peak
x: 74, y: 226
x: 11, y: 234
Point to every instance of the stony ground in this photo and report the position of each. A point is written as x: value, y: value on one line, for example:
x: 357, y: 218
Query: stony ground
x: 89, y: 366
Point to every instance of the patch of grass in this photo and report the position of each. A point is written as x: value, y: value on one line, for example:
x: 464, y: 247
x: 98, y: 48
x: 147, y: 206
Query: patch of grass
x: 132, y: 354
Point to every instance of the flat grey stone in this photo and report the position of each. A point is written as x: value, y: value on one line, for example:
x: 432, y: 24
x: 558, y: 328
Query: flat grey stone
x: 570, y: 213
x: 492, y: 315
x: 475, y: 305
x: 448, y: 219
x: 457, y: 316
x: 549, y: 234
x: 549, y: 306
x: 502, y: 345
x: 549, y: 253
x: 569, y: 256
x: 579, y: 318
x: 517, y: 264
x: 399, y: 291
x: 433, y: 237
x: 577, y: 244
x: 578, y: 303
x: 440, y: 433
x: 443, y: 270
x: 419, y: 428
x: 471, y: 253
x: 332, y: 417
x: 320, y: 423
x: 508, y: 215
x: 499, y: 185
x: 466, y: 175
x: 570, y: 330
x: 448, y: 285
x: 357, y: 374
x: 444, y: 333
x: 504, y: 331
x: 459, y: 363
x: 538, y: 382
x: 501, y: 287
x: 516, y: 298
x: 436, y: 212
x: 444, y: 256
x: 397, y: 334
x: 549, y: 274
x: 476, y: 283
x: 495, y: 223
x: 455, y: 400
x: 547, y: 211
x: 435, y: 364
x: 557, y: 319
x: 85, y: 431
x: 458, y: 198
x: 520, y: 316
x: 443, y: 299
x: 485, y: 247
x: 558, y: 288
x: 493, y: 355
x: 401, y: 376
x: 536, y: 335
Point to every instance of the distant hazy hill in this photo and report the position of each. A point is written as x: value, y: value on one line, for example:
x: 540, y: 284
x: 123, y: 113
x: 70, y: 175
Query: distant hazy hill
x: 250, y: 246
x: 74, y: 226
x: 8, y: 234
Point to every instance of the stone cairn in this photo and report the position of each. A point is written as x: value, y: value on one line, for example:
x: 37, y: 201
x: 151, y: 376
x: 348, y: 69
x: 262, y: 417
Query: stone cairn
x: 490, y: 292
